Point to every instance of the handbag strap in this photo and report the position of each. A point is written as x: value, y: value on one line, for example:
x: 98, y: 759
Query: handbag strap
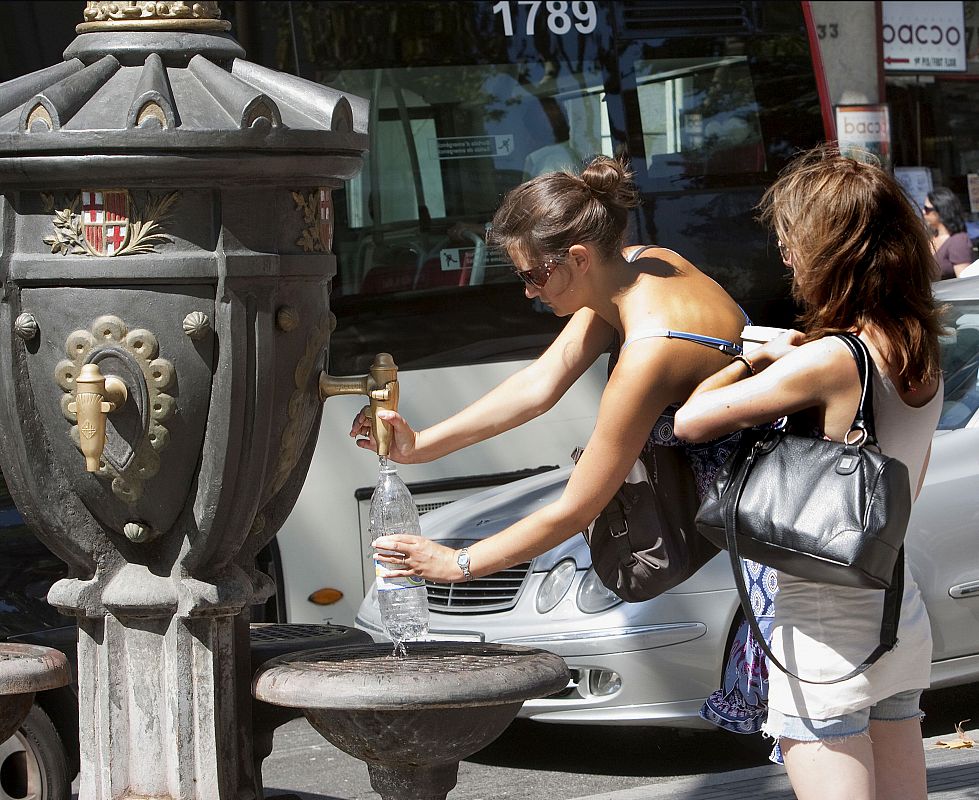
x: 893, y: 595
x: 864, y: 418
x: 616, y: 515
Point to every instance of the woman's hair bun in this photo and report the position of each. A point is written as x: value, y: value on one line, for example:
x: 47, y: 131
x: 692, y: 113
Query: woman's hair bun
x: 610, y: 181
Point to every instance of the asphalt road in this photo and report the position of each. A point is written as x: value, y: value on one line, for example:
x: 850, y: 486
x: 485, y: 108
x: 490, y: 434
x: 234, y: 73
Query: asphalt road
x: 559, y: 762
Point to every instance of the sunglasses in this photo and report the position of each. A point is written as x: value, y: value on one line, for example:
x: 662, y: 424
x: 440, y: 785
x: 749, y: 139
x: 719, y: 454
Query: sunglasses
x: 927, y: 208
x: 538, y: 276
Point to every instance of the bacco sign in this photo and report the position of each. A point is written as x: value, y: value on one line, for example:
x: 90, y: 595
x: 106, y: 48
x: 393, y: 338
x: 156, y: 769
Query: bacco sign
x: 923, y: 36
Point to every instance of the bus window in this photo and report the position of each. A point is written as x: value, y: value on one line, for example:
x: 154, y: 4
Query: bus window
x: 699, y: 115
x: 469, y: 99
x: 446, y: 143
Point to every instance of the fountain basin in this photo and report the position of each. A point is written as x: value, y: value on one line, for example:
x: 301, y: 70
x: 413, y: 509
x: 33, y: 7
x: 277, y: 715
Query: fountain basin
x: 24, y: 670
x: 411, y: 719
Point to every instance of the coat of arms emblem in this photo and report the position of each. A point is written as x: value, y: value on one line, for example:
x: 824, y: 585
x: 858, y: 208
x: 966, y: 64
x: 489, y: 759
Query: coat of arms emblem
x: 105, y: 221
x: 110, y: 223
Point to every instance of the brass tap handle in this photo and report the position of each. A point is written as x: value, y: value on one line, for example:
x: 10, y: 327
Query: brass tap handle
x: 383, y: 398
x: 380, y: 385
x: 95, y: 396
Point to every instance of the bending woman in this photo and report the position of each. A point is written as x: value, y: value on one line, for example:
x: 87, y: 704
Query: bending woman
x: 861, y: 262
x: 564, y: 232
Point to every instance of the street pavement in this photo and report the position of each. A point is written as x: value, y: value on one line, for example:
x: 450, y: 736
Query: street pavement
x: 566, y: 762
x: 309, y: 768
x: 952, y: 775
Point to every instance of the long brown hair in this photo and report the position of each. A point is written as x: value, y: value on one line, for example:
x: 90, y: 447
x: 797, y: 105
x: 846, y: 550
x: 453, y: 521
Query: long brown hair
x: 544, y: 216
x: 859, y: 254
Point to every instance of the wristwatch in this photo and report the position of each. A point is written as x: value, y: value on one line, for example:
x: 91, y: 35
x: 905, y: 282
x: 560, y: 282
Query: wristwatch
x: 462, y: 559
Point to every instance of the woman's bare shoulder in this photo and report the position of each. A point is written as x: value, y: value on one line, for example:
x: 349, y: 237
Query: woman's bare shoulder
x: 826, y: 361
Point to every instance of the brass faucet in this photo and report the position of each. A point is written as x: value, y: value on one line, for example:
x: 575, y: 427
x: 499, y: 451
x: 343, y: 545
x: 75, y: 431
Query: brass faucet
x: 95, y: 396
x: 380, y: 385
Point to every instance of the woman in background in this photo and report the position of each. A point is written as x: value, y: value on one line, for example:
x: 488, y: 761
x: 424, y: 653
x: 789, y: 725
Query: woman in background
x: 950, y: 242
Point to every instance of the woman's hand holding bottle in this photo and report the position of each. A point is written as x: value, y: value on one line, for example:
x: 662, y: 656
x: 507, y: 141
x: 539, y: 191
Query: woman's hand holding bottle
x: 406, y: 555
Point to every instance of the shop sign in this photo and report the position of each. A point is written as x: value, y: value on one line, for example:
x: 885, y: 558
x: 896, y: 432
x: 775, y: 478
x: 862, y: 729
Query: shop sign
x: 864, y: 129
x: 972, y: 33
x: 923, y: 36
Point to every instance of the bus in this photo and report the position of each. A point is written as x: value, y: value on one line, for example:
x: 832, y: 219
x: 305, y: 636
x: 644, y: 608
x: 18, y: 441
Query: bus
x: 707, y: 101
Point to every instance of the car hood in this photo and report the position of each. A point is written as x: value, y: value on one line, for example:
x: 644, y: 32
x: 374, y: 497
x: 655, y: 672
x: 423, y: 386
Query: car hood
x: 482, y: 514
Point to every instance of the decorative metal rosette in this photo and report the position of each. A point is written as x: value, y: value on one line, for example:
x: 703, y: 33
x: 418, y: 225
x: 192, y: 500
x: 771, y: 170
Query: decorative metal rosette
x: 109, y: 335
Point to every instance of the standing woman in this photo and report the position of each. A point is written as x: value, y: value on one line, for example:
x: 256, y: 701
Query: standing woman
x: 860, y: 262
x: 952, y: 246
x: 668, y: 326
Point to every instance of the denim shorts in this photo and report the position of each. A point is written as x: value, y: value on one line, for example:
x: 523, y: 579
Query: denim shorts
x: 901, y: 706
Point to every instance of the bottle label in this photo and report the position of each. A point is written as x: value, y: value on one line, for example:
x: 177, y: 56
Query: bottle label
x: 386, y: 583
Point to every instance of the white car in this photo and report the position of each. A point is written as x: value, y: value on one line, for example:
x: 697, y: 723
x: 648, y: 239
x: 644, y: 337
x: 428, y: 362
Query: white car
x: 653, y: 663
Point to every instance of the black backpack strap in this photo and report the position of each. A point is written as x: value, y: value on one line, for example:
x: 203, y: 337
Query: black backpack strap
x: 893, y: 595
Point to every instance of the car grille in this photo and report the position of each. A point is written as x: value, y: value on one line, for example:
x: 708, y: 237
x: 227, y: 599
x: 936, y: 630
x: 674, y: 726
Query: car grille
x: 488, y: 595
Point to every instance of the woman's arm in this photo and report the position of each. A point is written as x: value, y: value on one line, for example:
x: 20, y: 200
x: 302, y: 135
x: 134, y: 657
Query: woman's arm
x: 522, y: 397
x: 787, y: 379
x: 640, y: 387
x: 960, y: 252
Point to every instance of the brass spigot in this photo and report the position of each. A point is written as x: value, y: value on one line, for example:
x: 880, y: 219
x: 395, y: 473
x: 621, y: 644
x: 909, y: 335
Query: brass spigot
x: 381, y: 387
x: 95, y: 396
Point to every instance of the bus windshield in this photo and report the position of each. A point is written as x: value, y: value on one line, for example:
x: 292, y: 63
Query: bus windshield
x: 469, y: 99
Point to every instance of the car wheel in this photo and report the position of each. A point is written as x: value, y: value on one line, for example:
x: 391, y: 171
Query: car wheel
x: 33, y: 762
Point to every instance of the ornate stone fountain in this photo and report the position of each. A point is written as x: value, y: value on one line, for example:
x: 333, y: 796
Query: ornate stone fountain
x: 165, y: 255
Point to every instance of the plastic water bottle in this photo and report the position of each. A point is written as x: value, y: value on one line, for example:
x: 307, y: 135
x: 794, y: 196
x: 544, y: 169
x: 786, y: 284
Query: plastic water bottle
x: 403, y: 601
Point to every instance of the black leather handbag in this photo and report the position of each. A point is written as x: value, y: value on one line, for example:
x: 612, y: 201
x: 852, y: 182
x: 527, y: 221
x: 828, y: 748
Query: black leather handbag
x: 832, y: 512
x: 645, y: 541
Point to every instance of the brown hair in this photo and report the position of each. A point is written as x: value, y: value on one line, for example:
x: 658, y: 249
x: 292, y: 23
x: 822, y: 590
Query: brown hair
x: 860, y: 255
x: 543, y: 217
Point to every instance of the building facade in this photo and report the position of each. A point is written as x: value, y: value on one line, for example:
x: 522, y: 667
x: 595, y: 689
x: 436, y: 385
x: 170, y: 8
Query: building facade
x: 932, y: 131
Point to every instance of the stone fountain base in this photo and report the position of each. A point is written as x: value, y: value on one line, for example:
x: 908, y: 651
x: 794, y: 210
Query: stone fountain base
x: 411, y: 719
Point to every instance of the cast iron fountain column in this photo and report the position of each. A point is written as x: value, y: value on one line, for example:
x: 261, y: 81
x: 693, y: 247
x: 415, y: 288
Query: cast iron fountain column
x: 165, y: 257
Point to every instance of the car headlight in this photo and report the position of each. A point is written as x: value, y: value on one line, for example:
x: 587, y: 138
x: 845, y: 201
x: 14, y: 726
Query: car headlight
x: 593, y: 596
x: 555, y: 585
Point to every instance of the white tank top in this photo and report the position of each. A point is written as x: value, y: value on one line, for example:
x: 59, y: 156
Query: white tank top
x: 823, y: 631
x: 904, y: 432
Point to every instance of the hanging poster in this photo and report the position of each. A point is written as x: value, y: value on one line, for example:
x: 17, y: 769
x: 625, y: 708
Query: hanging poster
x: 972, y: 181
x: 916, y: 182
x: 865, y: 129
